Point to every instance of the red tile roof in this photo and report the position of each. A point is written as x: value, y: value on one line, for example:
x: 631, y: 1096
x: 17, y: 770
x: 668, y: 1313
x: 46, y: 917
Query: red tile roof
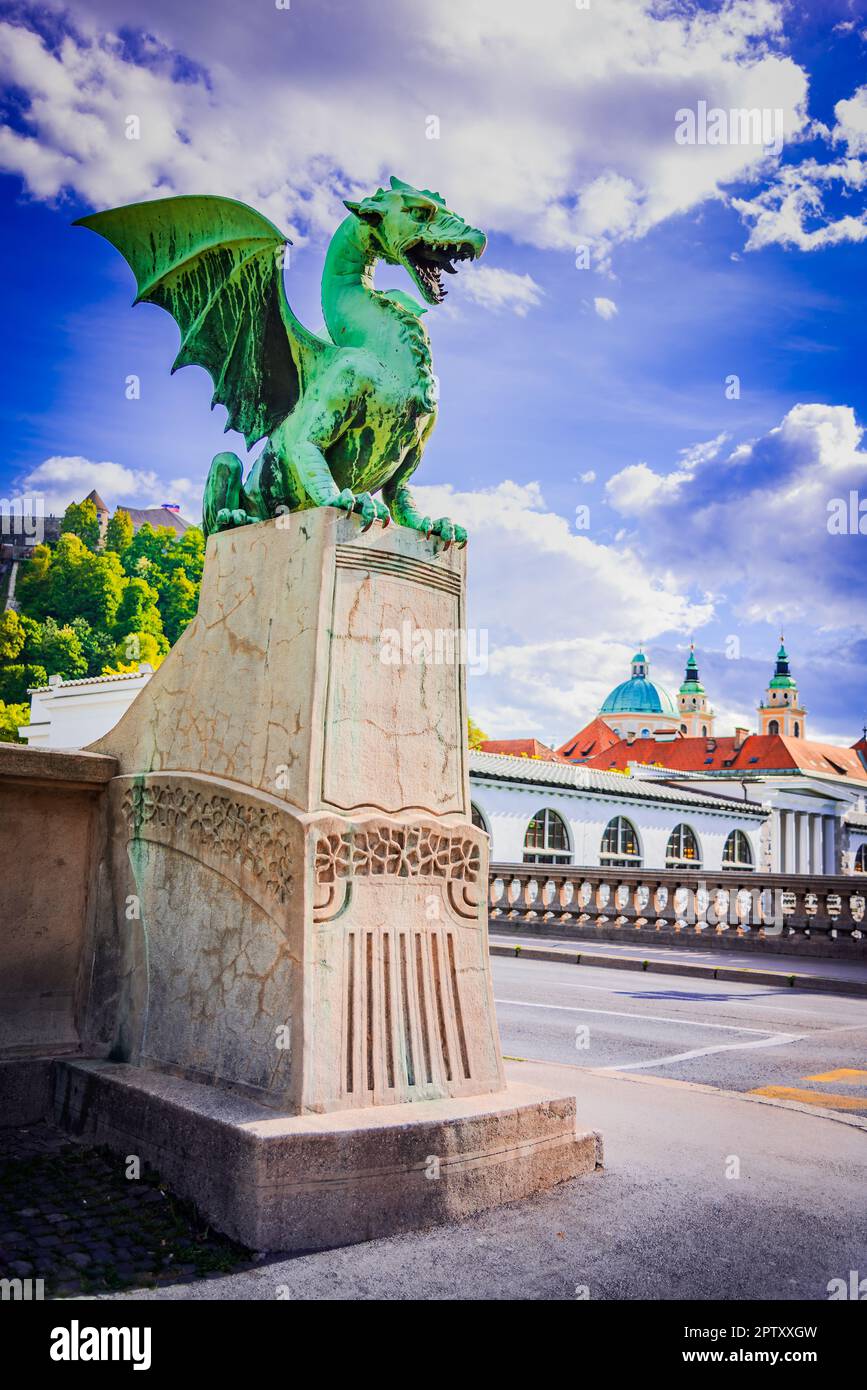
x: 758, y: 753
x: 588, y: 742
x: 521, y: 748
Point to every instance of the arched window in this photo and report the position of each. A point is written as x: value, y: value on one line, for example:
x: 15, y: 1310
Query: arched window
x: 797, y: 729
x: 682, y: 850
x: 478, y: 819
x: 704, y: 731
x: 774, y: 727
x: 645, y: 733
x: 860, y: 861
x: 546, y: 840
x: 737, y: 853
x: 683, y: 728
x: 619, y: 847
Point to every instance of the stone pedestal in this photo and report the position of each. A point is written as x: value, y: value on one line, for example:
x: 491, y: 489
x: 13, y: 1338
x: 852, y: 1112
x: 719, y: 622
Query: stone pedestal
x: 292, y: 906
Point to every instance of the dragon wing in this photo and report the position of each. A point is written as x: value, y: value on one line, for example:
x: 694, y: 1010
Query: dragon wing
x: 216, y: 266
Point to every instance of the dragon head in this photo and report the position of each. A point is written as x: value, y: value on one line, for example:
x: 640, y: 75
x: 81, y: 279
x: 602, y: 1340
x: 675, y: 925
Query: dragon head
x: 413, y: 227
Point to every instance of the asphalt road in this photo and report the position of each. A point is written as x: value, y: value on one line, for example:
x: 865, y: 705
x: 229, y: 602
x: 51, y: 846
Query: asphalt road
x: 737, y: 1036
x: 708, y: 1191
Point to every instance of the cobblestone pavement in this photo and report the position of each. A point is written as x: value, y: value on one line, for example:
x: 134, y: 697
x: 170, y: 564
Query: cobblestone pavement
x: 71, y: 1216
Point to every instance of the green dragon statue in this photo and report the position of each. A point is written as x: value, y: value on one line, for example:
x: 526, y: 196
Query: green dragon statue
x: 346, y: 415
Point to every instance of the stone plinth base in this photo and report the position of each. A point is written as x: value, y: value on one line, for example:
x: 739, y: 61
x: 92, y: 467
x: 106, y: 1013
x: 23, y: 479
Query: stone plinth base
x: 307, y: 1182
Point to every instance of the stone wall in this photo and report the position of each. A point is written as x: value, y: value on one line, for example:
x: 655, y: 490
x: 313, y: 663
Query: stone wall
x: 51, y: 821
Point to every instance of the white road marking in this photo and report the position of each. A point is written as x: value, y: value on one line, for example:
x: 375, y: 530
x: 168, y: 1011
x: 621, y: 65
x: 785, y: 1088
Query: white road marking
x: 652, y: 1018
x: 777, y: 1040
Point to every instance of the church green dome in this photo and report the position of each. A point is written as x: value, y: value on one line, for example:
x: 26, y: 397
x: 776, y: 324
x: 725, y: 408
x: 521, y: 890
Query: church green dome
x: 639, y: 695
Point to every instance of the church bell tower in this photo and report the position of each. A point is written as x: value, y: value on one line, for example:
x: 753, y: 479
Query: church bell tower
x: 696, y: 715
x: 781, y: 711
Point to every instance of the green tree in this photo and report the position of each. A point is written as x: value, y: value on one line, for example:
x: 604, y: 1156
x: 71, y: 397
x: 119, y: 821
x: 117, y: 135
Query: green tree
x: 82, y: 585
x: 150, y: 552
x: 10, y: 717
x: 80, y: 519
x: 16, y: 680
x: 178, y: 603
x: 119, y: 532
x: 59, y: 649
x: 135, y: 648
x: 138, y: 610
x: 188, y: 553
x: 12, y: 635
x: 33, y: 590
x: 97, y: 646
x: 475, y: 735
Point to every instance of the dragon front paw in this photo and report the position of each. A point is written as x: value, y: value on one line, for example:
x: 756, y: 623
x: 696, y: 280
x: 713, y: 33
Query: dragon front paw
x: 369, y: 508
x: 446, y: 529
x: 228, y: 517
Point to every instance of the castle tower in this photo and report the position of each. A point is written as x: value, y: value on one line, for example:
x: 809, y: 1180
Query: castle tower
x: 696, y: 715
x: 102, y: 513
x: 781, y: 711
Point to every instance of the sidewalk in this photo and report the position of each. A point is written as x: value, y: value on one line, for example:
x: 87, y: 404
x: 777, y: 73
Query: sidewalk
x: 661, y: 1221
x: 782, y: 972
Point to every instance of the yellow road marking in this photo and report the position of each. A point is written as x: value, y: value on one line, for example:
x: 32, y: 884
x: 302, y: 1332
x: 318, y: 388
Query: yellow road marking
x: 846, y: 1074
x: 826, y: 1098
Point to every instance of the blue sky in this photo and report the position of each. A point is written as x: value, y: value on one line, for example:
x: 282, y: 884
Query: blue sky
x: 560, y: 386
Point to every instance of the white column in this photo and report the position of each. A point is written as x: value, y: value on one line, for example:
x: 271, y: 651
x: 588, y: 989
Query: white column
x: 816, y: 855
x: 803, y: 858
x: 777, y: 847
x: 830, y: 846
x: 789, y: 864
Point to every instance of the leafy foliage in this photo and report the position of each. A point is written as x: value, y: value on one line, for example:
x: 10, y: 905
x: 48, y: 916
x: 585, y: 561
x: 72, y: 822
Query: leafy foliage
x: 80, y: 519
x: 119, y: 532
x: 11, y: 716
x: 475, y: 735
x: 88, y: 609
x: 16, y: 679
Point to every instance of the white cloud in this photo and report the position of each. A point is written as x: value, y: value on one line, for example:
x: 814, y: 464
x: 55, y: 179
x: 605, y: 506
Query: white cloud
x: 571, y: 161
x: 851, y: 127
x: 495, y: 289
x: 589, y: 476
x: 605, y: 308
x: 64, y: 479
x: 563, y: 621
x: 637, y: 486
x: 756, y: 520
x: 791, y: 210
x: 782, y: 214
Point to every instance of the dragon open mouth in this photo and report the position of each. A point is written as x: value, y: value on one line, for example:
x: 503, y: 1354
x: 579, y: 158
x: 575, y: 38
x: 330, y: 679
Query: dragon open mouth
x: 428, y: 259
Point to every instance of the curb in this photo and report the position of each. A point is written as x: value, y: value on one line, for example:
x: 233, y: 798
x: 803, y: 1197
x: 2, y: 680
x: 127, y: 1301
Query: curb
x: 781, y: 979
x: 819, y: 1112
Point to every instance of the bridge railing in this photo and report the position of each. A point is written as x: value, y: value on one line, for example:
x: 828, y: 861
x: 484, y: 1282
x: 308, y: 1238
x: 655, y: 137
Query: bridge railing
x: 693, y: 901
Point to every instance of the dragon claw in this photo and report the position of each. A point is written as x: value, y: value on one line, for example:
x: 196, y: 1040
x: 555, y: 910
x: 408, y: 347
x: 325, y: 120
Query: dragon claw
x: 446, y: 530
x: 227, y: 517
x: 369, y: 508
x: 345, y: 500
